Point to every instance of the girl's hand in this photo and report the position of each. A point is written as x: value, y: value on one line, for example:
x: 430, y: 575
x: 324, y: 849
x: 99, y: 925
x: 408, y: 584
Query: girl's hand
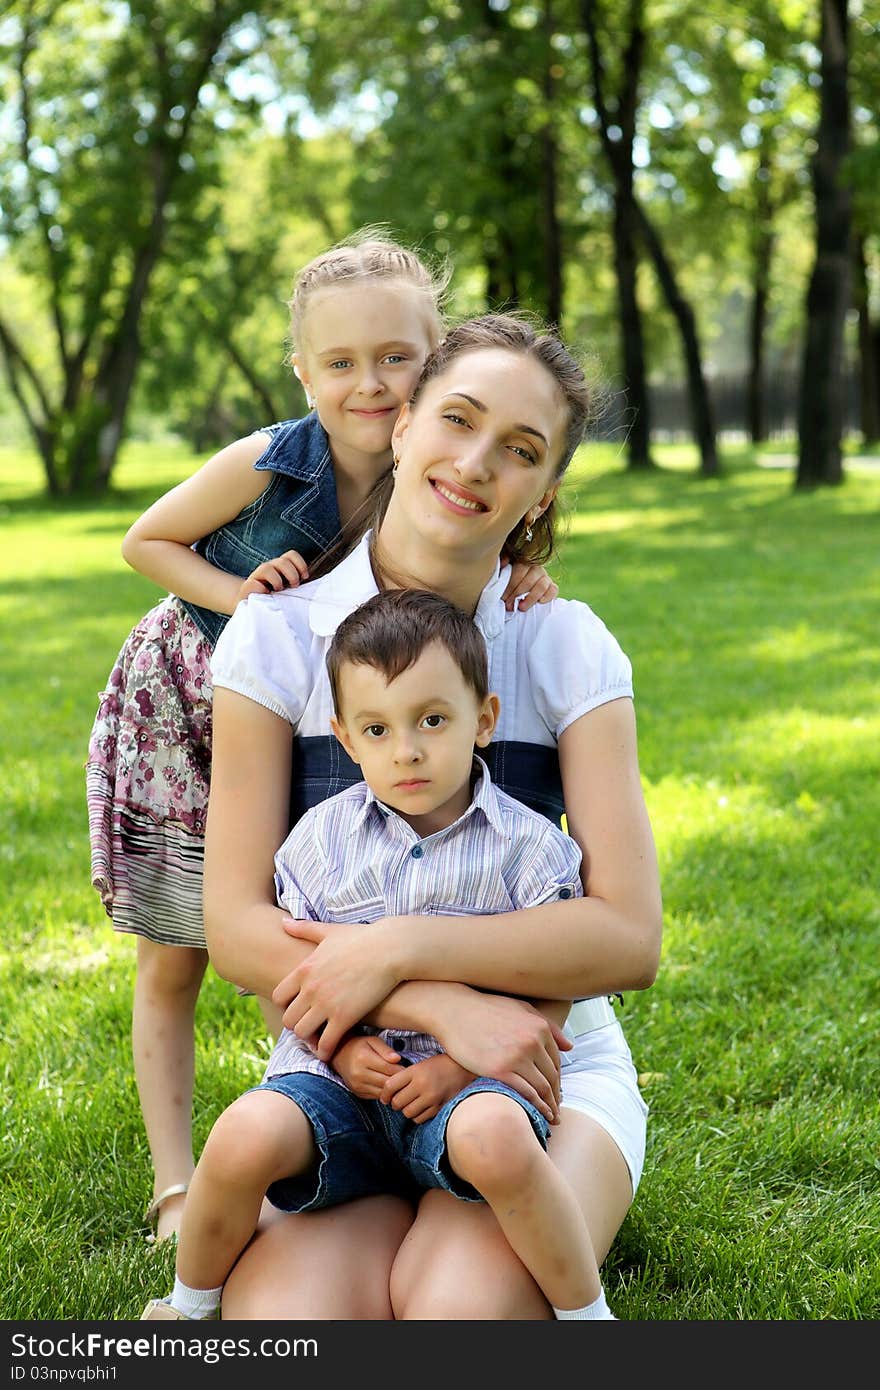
x: 496, y: 1035
x: 366, y: 1065
x: 286, y: 571
x: 335, y: 987
x: 532, y: 582
x: 420, y: 1090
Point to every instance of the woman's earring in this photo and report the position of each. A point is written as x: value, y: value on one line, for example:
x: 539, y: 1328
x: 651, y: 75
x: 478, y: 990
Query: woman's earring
x: 396, y: 462
x: 529, y: 521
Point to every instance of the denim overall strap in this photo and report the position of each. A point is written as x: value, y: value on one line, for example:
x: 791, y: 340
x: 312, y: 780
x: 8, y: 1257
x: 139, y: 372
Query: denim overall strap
x: 298, y: 510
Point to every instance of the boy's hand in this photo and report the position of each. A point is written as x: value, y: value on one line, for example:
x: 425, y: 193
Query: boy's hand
x: 365, y: 1065
x: 532, y: 582
x: 286, y: 571
x: 420, y: 1090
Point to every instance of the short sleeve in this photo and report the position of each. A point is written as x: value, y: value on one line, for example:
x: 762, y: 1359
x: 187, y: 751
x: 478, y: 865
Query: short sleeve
x: 299, y: 870
x: 552, y: 872
x: 575, y: 664
x: 258, y: 655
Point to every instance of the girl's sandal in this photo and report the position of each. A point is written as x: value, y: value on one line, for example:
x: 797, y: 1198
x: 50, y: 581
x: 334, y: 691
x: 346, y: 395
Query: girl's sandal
x: 151, y: 1216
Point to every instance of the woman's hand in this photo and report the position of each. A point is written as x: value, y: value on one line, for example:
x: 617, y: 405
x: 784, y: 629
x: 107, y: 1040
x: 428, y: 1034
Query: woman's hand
x: 286, y: 571
x: 496, y: 1035
x: 346, y: 976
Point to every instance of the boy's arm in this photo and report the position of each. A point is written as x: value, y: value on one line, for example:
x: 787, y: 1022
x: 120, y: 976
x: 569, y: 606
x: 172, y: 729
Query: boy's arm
x: 422, y: 1089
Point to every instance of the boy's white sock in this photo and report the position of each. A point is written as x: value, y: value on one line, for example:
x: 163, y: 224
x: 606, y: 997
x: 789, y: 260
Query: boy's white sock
x: 195, y: 1303
x: 597, y: 1311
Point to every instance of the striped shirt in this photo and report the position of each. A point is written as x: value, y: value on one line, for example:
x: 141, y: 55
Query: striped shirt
x: 353, y: 859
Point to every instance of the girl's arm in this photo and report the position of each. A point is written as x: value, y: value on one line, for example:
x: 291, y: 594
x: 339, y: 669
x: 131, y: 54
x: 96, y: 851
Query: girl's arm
x: 158, y: 544
x: 607, y: 941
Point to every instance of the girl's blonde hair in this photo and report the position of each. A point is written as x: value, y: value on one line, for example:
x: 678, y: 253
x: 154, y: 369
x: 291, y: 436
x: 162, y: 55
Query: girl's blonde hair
x: 365, y: 256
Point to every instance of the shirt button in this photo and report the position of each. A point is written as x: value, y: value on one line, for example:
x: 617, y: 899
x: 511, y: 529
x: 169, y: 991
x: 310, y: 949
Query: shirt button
x: 397, y: 1044
x: 417, y: 851
x: 565, y: 892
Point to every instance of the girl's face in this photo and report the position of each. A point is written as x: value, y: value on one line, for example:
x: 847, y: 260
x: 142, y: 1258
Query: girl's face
x: 479, y: 450
x: 364, y: 347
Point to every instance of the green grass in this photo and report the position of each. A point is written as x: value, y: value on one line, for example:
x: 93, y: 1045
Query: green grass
x: 750, y: 614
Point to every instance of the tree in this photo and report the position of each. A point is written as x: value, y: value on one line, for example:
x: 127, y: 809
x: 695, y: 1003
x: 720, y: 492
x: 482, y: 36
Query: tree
x: 617, y: 129
x: 820, y: 427
x: 223, y: 321
x: 464, y: 152
x: 702, y: 415
x: 119, y: 110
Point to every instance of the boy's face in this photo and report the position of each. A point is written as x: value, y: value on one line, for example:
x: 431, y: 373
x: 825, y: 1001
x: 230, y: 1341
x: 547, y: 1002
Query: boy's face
x: 414, y: 737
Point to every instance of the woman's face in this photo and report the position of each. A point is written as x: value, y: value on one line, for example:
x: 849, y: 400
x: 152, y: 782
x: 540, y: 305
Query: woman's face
x: 479, y: 450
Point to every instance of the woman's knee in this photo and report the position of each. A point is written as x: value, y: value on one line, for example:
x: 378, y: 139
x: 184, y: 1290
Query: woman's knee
x: 491, y: 1144
x: 456, y: 1264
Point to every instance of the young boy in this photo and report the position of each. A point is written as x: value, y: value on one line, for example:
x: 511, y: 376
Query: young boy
x: 425, y: 832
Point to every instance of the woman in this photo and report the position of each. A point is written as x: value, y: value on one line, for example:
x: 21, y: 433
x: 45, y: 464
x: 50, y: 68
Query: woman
x: 479, y: 455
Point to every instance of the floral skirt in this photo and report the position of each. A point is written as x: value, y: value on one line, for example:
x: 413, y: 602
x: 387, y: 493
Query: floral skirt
x: 147, y: 779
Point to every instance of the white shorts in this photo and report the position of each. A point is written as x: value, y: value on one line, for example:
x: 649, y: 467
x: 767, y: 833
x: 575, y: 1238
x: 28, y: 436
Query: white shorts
x: 599, y: 1080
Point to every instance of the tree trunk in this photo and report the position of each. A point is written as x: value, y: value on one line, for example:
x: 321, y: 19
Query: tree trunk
x: 821, y: 411
x: 552, y: 232
x: 638, y: 438
x: 702, y: 414
x: 763, y: 239
x: 619, y: 155
x: 869, y: 364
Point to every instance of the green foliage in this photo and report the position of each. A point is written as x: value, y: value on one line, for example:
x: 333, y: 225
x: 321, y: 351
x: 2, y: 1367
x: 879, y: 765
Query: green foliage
x: 117, y: 117
x: 750, y: 615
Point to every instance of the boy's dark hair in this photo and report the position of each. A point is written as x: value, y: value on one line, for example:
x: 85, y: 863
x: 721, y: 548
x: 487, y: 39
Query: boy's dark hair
x: 391, y: 630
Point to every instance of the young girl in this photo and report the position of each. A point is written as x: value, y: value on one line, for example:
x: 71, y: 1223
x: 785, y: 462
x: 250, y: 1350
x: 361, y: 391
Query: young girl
x: 364, y: 317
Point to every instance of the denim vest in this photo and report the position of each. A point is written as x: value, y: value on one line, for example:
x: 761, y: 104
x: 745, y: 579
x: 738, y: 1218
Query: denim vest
x: 297, y: 511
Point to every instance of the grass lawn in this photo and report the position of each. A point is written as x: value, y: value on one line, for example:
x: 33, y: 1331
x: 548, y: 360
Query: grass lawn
x: 751, y: 617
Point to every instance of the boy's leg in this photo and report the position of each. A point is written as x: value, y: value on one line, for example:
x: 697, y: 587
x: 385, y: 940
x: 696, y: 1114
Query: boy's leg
x: 492, y: 1145
x: 261, y: 1138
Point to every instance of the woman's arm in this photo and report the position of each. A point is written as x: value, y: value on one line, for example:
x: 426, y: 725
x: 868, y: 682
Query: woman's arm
x: 158, y: 544
x: 606, y: 941
x: 248, y: 813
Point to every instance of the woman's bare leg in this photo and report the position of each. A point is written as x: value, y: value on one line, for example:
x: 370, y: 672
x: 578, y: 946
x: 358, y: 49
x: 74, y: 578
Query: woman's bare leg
x: 163, y: 1046
x: 320, y: 1265
x: 455, y: 1263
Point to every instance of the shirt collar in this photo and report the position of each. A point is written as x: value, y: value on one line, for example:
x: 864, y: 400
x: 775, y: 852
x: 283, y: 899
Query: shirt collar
x: 345, y: 588
x: 485, y: 797
x: 352, y: 582
x: 484, y: 800
x: 300, y: 448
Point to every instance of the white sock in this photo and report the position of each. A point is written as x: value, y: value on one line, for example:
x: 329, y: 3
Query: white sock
x: 597, y: 1311
x: 195, y: 1303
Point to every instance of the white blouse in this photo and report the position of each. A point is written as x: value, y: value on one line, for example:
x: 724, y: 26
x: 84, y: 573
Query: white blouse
x: 548, y: 666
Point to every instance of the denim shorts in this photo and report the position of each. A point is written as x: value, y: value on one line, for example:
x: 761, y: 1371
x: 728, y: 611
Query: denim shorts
x: 366, y: 1148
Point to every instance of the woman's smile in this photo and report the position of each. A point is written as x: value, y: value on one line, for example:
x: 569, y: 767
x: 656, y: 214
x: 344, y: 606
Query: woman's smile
x: 458, y: 498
